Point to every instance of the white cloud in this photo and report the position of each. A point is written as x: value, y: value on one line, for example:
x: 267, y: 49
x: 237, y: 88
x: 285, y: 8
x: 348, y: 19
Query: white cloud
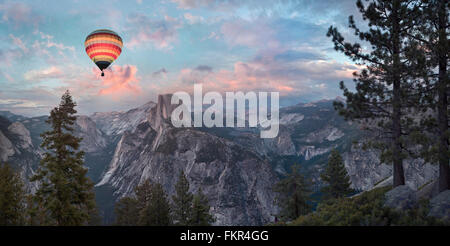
x: 42, y: 74
x: 192, y: 19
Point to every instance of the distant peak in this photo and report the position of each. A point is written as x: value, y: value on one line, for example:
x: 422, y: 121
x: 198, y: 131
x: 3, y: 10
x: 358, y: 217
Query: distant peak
x: 339, y: 99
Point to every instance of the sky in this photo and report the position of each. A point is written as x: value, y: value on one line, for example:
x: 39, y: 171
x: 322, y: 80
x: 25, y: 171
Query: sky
x: 234, y: 45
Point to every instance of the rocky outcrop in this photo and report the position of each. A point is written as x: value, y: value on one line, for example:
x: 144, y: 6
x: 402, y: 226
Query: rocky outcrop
x: 115, y: 123
x: 289, y: 119
x: 22, y: 133
x: 364, y: 168
x: 308, y: 132
x: 440, y: 206
x: 17, y: 149
x: 401, y: 197
x: 329, y: 133
x: 366, y: 171
x: 237, y: 182
x: 6, y: 147
x: 94, y: 140
x: 234, y: 166
x: 310, y: 152
x: 428, y: 190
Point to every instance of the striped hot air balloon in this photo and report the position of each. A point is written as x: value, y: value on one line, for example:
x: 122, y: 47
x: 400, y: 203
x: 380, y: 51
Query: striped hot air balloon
x: 103, y: 47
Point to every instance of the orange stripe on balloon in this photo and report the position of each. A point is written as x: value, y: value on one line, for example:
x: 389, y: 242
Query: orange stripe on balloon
x: 99, y: 49
x: 100, y: 40
x: 118, y: 39
x: 103, y: 45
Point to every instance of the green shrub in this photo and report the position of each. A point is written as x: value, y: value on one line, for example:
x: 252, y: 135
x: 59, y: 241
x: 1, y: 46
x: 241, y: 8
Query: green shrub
x: 365, y: 210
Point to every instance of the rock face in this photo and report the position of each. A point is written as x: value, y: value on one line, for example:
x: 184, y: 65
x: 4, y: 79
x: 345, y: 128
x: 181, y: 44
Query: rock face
x: 94, y: 140
x: 115, y: 123
x: 17, y: 149
x: 6, y: 147
x: 428, y: 191
x: 236, y: 181
x: 308, y: 132
x: 440, y: 206
x: 20, y: 145
x: 22, y: 133
x: 233, y: 166
x: 401, y: 197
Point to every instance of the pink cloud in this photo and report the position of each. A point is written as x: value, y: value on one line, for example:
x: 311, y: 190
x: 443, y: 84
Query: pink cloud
x: 300, y: 77
x: 19, y: 43
x: 18, y: 14
x: 119, y: 80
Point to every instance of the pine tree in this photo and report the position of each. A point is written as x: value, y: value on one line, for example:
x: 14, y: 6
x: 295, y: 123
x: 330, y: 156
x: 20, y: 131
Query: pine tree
x: 149, y: 207
x: 443, y: 85
x: 143, y: 194
x: 36, y: 214
x: 386, y: 88
x: 200, y: 215
x: 432, y: 36
x: 293, y: 195
x: 12, y: 197
x: 443, y: 49
x: 127, y: 212
x: 336, y: 177
x: 129, y: 209
x: 157, y: 211
x: 65, y: 192
x: 182, y: 201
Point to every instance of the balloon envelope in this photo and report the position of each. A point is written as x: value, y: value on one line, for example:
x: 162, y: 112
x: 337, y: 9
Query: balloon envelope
x: 103, y: 47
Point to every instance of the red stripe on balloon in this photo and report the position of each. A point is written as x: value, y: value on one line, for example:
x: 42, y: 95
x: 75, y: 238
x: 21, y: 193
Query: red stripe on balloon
x: 103, y: 54
x: 103, y: 45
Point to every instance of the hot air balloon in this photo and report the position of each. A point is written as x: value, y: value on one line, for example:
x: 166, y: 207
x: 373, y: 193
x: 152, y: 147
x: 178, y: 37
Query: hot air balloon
x: 103, y: 47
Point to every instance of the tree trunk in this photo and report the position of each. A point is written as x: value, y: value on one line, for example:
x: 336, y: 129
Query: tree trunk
x: 444, y: 170
x: 399, y: 178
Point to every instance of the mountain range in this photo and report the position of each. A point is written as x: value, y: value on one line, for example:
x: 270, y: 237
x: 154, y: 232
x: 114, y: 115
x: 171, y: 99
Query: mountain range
x: 234, y: 167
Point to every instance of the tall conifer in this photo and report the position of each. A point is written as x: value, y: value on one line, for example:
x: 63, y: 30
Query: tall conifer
x: 182, y: 201
x: 336, y: 177
x: 386, y: 87
x: 65, y: 192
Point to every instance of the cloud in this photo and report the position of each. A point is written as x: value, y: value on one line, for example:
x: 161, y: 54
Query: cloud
x: 189, y: 4
x: 204, y: 68
x: 29, y: 102
x: 19, y: 43
x: 161, y: 33
x: 229, y: 5
x: 9, y: 55
x: 212, y: 35
x: 18, y: 14
x: 161, y: 72
x: 42, y: 74
x: 119, y: 80
x: 8, y: 77
x: 256, y: 34
x: 192, y: 19
x: 296, y: 77
x: 49, y: 42
x: 44, y: 47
